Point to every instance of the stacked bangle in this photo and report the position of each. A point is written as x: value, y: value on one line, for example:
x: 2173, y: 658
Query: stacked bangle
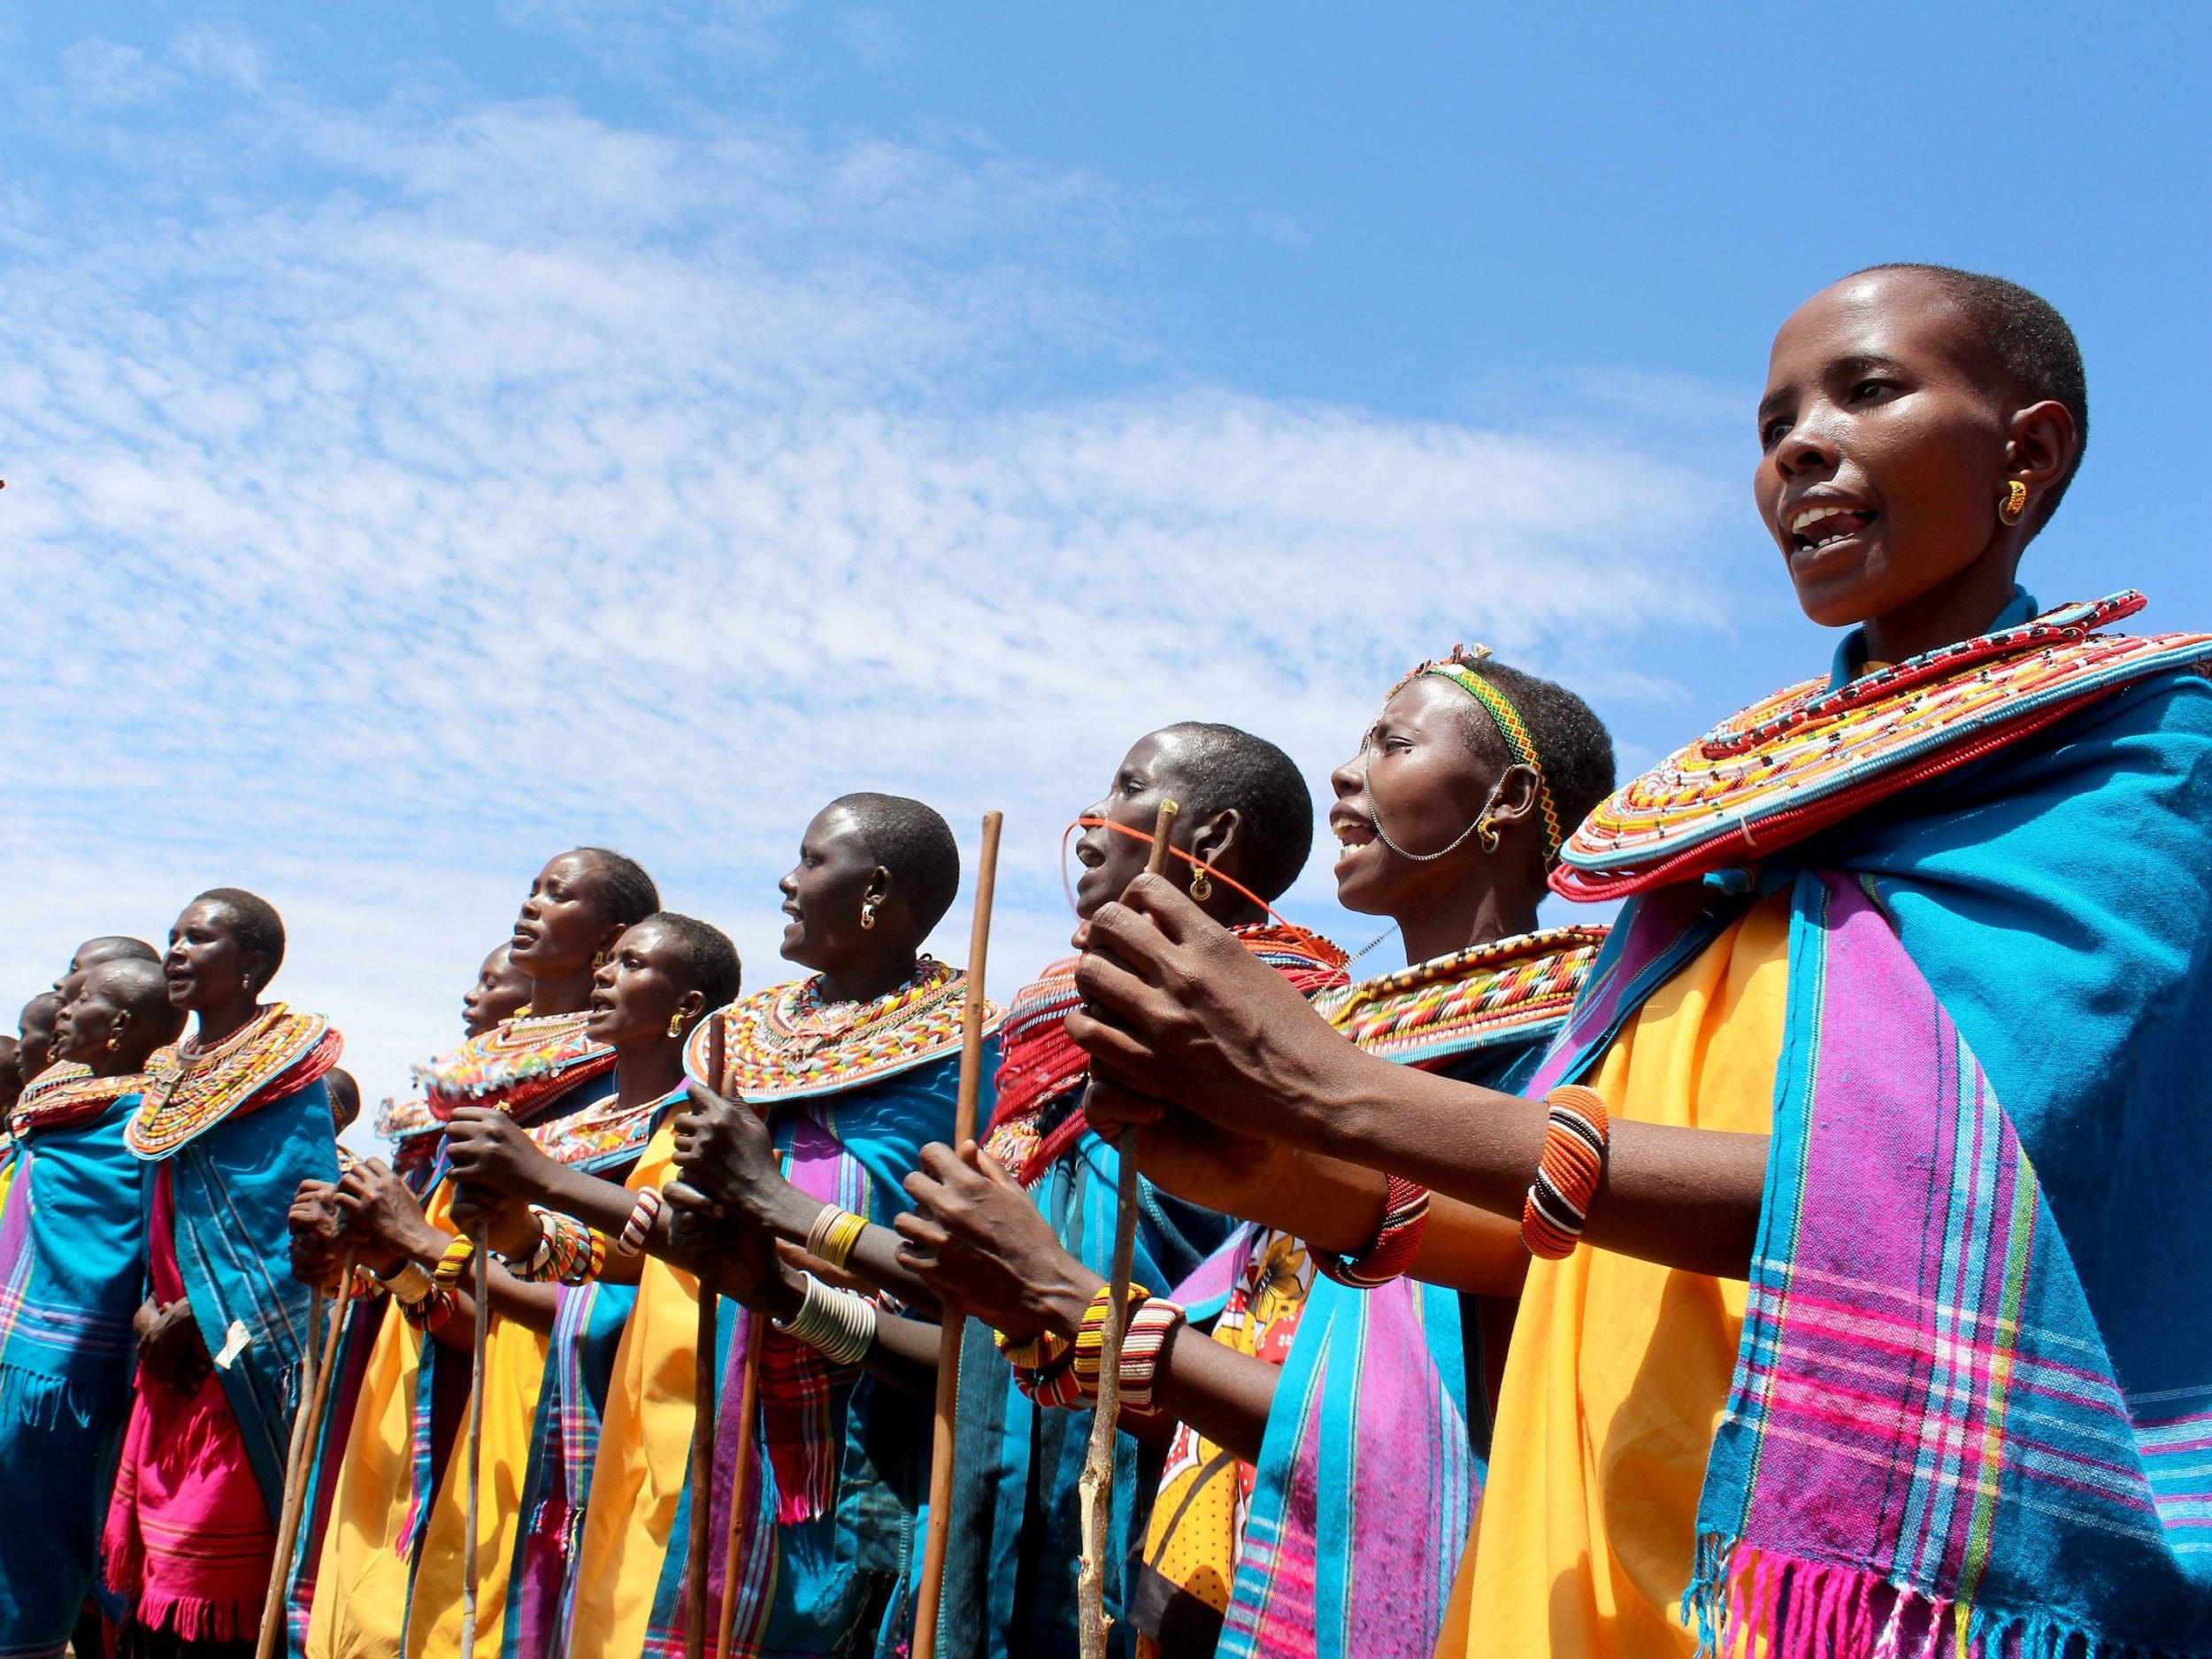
x: 448, y: 1272
x: 567, y: 1253
x: 834, y: 1234
x: 638, y: 1227
x: 1566, y: 1176
x: 1052, y: 1384
x: 1041, y: 1352
x: 1140, y: 1350
x: 409, y: 1284
x: 430, y: 1311
x: 1405, y: 1219
x: 840, y: 1324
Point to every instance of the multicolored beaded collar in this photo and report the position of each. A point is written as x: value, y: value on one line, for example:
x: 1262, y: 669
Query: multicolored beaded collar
x: 518, y: 1065
x: 1810, y: 757
x: 187, y: 1092
x: 786, y: 1043
x: 66, y: 1092
x: 1435, y: 1011
x: 605, y: 1131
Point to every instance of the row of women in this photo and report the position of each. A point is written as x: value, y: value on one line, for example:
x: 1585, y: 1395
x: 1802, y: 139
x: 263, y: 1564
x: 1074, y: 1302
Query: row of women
x: 1763, y: 1274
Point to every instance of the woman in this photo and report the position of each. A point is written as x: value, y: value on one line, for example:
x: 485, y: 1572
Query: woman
x: 1873, y: 1032
x: 856, y: 1066
x: 399, y: 1480
x: 73, y: 1256
x: 1324, y: 1435
x: 229, y: 1123
x: 662, y: 978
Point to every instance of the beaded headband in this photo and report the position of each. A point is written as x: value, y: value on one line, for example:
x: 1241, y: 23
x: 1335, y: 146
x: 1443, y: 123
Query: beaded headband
x: 1461, y: 672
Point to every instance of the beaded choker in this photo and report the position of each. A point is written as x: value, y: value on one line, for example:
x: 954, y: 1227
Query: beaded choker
x: 66, y: 1092
x: 518, y: 1065
x: 1437, y: 1011
x: 188, y: 1092
x: 1810, y: 757
x: 786, y: 1043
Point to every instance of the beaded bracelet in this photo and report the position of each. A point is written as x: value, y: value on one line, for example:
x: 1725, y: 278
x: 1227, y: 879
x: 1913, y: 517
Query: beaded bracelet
x: 567, y: 1253
x: 1140, y: 1350
x: 834, y: 1234
x: 409, y: 1284
x: 840, y: 1324
x: 639, y: 1225
x: 431, y: 1311
x: 1054, y: 1384
x: 448, y: 1272
x: 1405, y: 1219
x: 1567, y: 1175
x: 1041, y: 1352
x: 1090, y: 1339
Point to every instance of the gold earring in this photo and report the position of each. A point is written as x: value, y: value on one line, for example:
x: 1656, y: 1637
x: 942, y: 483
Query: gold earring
x: 2015, y: 504
x: 598, y: 960
x: 1487, y: 833
x: 867, y: 912
x: 1201, y: 882
x: 115, y: 1042
x: 675, y: 1024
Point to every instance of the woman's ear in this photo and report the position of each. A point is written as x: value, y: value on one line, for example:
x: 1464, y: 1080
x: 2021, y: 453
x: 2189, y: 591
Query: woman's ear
x: 254, y: 965
x: 2041, y: 447
x: 1515, y: 799
x: 1215, y: 842
x: 691, y: 1005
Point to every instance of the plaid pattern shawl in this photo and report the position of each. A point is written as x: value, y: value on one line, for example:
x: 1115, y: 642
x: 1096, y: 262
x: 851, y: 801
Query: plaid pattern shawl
x: 1964, y: 1419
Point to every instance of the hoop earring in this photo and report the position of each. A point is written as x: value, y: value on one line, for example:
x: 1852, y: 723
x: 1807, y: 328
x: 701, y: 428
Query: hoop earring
x: 115, y: 1042
x: 867, y: 912
x: 2015, y: 504
x: 598, y: 960
x: 1201, y: 882
x: 675, y: 1024
x: 1487, y: 833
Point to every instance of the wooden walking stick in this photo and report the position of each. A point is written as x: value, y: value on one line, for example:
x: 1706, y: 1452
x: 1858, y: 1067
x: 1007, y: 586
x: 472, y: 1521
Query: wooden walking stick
x: 1096, y: 1489
x: 706, y: 1384
x: 748, y: 1402
x: 952, y: 1317
x: 318, y: 1362
x: 483, y: 1288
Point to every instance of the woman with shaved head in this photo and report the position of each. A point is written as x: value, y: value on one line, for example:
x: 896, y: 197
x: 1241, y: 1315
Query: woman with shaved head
x: 229, y: 1122
x: 72, y: 1253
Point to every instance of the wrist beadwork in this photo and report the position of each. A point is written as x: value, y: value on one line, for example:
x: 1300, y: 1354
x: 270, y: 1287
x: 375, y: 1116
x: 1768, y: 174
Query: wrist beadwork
x: 1576, y: 1136
x: 1405, y: 1220
x: 638, y: 1227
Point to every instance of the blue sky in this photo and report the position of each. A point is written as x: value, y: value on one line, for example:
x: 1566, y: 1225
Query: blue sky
x: 437, y: 435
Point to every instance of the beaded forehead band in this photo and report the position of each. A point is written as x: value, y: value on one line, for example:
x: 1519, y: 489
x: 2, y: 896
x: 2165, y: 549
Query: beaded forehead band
x: 1459, y: 668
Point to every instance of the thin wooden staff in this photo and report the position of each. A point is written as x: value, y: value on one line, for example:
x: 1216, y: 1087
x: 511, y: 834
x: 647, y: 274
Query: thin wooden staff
x: 1096, y: 1489
x: 748, y: 1402
x: 483, y: 1287
x: 954, y: 1317
x: 706, y: 1384
x: 319, y: 1363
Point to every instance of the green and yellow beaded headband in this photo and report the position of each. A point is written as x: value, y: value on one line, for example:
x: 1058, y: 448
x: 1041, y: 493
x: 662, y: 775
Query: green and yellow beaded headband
x: 1459, y: 668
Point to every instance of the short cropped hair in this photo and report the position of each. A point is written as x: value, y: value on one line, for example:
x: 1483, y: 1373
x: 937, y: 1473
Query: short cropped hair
x: 2033, y: 346
x: 141, y: 987
x: 630, y: 893
x: 117, y: 948
x: 1235, y: 769
x: 706, y: 960
x: 912, y: 841
x: 255, y: 925
x: 1573, y: 749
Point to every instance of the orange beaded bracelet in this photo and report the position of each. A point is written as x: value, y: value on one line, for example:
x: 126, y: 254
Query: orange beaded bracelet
x: 1566, y: 1176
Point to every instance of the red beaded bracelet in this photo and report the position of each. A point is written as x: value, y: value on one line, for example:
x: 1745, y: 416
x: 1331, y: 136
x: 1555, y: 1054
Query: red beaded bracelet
x: 1566, y: 1176
x: 1405, y: 1220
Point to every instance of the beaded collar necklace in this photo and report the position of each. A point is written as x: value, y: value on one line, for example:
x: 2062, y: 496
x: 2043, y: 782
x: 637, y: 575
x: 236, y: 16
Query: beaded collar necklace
x: 66, y: 1092
x: 189, y: 1091
x: 1809, y: 757
x: 1436, y: 1011
x: 518, y: 1065
x: 786, y: 1043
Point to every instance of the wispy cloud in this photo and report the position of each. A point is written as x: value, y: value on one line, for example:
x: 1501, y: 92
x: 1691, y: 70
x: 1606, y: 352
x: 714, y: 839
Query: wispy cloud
x: 398, y: 495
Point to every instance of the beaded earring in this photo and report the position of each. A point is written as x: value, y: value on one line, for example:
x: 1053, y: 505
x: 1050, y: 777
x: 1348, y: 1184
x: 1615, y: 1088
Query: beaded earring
x: 2015, y: 504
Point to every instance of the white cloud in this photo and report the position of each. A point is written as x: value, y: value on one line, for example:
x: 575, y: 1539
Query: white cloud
x: 402, y: 495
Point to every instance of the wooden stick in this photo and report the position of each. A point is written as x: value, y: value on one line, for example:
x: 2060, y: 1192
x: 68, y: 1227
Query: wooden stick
x: 317, y: 1362
x: 483, y: 1287
x: 706, y: 1383
x: 748, y: 1402
x: 1096, y: 1490
x: 952, y: 1317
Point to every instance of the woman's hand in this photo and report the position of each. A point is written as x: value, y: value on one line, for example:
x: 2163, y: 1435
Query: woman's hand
x: 315, y: 1229
x: 1176, y: 1009
x: 1202, y: 1163
x: 489, y: 1149
x: 974, y: 1235
x: 382, y: 1218
x: 509, y: 1227
x: 729, y: 1159
x: 169, y: 1346
x: 739, y: 1260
